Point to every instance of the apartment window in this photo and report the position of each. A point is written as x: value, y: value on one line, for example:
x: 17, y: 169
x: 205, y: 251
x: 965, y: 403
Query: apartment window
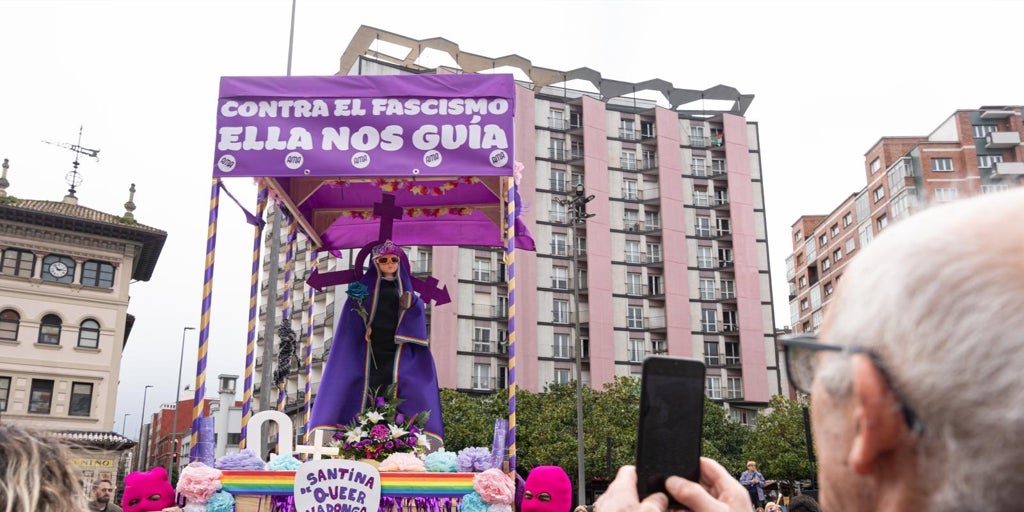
x: 823, y: 241
x: 729, y: 321
x: 635, y: 317
x: 882, y: 222
x: 575, y: 119
x: 481, y: 376
x: 707, y: 289
x: 701, y: 198
x: 945, y: 194
x: 659, y: 347
x: 711, y: 356
x: 828, y: 289
x: 503, y: 305
x: 654, y: 286
x: 559, y: 245
x: 560, y: 278
x: 557, y: 149
x: 724, y: 257
x: 991, y: 189
x: 826, y: 264
x: 636, y: 350
x: 653, y: 219
x: 556, y: 119
x: 628, y: 129
x: 58, y: 269
x: 697, y: 136
x: 17, y: 263
x: 851, y: 244
x: 628, y: 160
x: 482, y: 270
x: 634, y: 283
x: 558, y: 183
x: 734, y: 387
x: 631, y: 220
x: 876, y: 164
x: 713, y: 387
x: 560, y: 311
x: 9, y: 322
x: 502, y: 377
x: 5, y: 392
x: 728, y: 288
x: 878, y: 194
x: 98, y: 274
x: 717, y: 166
x: 560, y: 346
x: 863, y: 208
x: 704, y: 258
x: 630, y: 192
x: 81, y: 399
x: 988, y: 161
x: 646, y: 129
x: 798, y: 236
x: 834, y: 230
x: 89, y: 334
x: 721, y: 197
x: 561, y: 376
x: 700, y: 167
x: 482, y: 340
x: 942, y: 164
x: 837, y: 254
x: 847, y: 220
x: 816, y: 319
x: 40, y: 396
x: 709, y: 320
x: 804, y: 304
x: 703, y: 227
x: 732, y: 353
x: 653, y: 252
x: 49, y: 330
x: 865, y: 235
x: 632, y: 251
x: 981, y: 130
x: 558, y: 212
x: 803, y: 281
x: 724, y: 226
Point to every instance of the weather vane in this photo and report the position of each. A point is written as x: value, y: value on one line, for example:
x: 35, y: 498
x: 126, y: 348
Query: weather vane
x: 73, y: 177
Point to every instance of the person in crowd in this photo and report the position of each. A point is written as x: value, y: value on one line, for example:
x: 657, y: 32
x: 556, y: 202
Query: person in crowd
x: 916, y: 402
x: 753, y: 480
x: 803, y: 503
x: 36, y: 474
x: 102, y: 492
x: 381, y: 340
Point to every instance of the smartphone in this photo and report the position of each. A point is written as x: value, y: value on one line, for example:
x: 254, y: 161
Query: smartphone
x: 671, y: 423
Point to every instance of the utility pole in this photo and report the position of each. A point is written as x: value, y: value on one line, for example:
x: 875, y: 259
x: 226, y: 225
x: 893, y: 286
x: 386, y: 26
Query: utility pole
x: 578, y: 216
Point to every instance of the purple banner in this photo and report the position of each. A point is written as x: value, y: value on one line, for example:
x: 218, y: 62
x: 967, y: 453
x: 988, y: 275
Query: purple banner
x: 345, y: 126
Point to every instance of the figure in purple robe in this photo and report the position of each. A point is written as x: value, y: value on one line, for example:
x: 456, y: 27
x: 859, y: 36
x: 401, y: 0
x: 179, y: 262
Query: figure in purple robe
x: 394, y: 349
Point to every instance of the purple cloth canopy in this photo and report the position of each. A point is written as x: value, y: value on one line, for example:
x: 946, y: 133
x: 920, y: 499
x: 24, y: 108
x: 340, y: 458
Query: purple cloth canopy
x: 345, y: 379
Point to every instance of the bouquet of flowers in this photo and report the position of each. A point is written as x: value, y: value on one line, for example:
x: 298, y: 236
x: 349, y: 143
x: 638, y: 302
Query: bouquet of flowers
x: 381, y: 430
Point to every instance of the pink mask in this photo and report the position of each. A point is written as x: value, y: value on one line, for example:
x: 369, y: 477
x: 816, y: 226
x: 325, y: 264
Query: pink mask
x: 548, y: 489
x: 147, y: 491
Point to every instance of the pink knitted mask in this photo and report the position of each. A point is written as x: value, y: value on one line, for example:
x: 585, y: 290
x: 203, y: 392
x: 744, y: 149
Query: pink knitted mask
x: 548, y: 489
x: 147, y: 491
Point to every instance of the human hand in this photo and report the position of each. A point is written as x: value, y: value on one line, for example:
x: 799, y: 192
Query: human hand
x: 405, y: 301
x: 368, y: 331
x: 622, y: 496
x: 717, y: 491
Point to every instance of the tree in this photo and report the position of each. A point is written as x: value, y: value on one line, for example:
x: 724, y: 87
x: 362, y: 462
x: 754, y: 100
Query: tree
x: 778, y: 443
x: 724, y: 439
x: 469, y: 418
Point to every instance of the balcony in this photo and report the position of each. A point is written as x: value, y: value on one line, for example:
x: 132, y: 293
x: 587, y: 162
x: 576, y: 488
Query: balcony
x: 627, y: 134
x: 648, y: 164
x: 636, y: 289
x: 558, y: 154
x: 420, y: 266
x: 489, y: 311
x: 559, y: 249
x: 628, y: 164
x: 655, y: 323
x: 1009, y: 168
x: 700, y: 171
x: 648, y: 134
x: 700, y: 142
x: 1000, y: 140
x: 996, y: 114
x: 558, y: 123
x: 558, y: 185
x: 483, y: 346
x: 722, y: 234
x: 730, y: 329
x: 481, y: 383
x: 563, y: 352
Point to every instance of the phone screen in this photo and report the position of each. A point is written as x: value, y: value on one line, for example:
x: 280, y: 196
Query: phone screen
x: 671, y: 423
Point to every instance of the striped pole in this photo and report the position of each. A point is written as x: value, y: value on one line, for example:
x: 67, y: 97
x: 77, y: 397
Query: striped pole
x: 250, y: 341
x: 510, y: 263
x: 306, y: 400
x: 286, y: 306
x: 204, y: 323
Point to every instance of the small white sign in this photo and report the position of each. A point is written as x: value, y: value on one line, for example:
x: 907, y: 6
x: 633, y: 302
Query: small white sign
x: 337, y: 486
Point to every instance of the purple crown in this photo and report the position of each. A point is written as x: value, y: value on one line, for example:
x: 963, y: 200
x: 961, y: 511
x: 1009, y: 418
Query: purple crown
x: 388, y: 247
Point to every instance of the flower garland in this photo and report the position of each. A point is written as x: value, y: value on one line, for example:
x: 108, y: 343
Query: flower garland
x: 410, y: 212
x: 414, y: 187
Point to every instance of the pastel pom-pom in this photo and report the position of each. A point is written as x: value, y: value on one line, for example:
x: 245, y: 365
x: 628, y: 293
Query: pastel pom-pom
x: 472, y: 502
x: 442, y: 461
x: 221, y: 502
x: 284, y: 463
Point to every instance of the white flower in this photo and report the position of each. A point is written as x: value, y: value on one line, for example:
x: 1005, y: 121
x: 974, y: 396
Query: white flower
x: 397, y: 431
x: 423, y: 440
x: 374, y: 416
x: 354, y: 435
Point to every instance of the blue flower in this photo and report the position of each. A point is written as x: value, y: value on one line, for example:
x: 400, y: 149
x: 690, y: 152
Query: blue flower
x: 357, y: 291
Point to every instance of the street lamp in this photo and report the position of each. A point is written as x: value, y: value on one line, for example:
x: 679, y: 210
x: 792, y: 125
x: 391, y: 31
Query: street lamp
x: 578, y: 215
x: 177, y: 399
x: 124, y: 422
x: 138, y: 459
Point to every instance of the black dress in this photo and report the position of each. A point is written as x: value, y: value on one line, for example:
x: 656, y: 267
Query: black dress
x: 382, y: 337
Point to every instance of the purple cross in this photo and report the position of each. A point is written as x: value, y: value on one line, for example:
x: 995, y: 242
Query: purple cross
x: 388, y: 213
x: 429, y: 291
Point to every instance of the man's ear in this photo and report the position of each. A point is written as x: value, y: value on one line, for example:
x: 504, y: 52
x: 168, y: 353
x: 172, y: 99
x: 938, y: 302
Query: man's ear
x: 880, y: 424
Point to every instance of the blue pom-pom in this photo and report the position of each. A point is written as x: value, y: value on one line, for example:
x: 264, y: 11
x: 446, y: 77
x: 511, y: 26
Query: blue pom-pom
x: 472, y: 502
x: 441, y: 461
x: 220, y: 502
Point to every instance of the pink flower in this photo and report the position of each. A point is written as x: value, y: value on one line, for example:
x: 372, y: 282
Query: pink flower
x: 494, y: 487
x: 380, y: 432
x: 402, y: 462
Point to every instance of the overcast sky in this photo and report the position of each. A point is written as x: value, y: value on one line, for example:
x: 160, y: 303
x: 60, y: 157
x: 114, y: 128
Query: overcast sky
x: 829, y: 78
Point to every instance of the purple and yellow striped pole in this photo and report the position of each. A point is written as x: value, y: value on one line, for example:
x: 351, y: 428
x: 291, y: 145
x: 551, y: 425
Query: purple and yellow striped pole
x: 204, y: 322
x: 250, y: 340
x: 306, y: 402
x: 510, y: 263
x: 286, y: 300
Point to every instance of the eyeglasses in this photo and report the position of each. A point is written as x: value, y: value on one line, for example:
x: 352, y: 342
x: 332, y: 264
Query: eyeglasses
x: 385, y: 259
x: 801, y: 362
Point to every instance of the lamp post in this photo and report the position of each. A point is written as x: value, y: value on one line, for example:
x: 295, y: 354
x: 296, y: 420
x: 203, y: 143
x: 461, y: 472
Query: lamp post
x: 142, y: 422
x: 177, y: 399
x: 578, y: 215
x: 124, y: 422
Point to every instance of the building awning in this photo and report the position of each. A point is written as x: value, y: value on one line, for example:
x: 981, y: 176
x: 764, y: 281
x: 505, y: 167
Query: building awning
x: 93, y: 439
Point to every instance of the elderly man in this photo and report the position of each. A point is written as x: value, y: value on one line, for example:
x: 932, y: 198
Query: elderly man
x: 916, y: 396
x: 102, y: 491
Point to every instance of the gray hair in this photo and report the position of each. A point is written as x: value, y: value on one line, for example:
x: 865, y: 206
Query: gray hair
x: 36, y: 474
x: 940, y: 297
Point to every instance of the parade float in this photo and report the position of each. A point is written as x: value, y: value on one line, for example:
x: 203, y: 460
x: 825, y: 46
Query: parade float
x: 356, y: 163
